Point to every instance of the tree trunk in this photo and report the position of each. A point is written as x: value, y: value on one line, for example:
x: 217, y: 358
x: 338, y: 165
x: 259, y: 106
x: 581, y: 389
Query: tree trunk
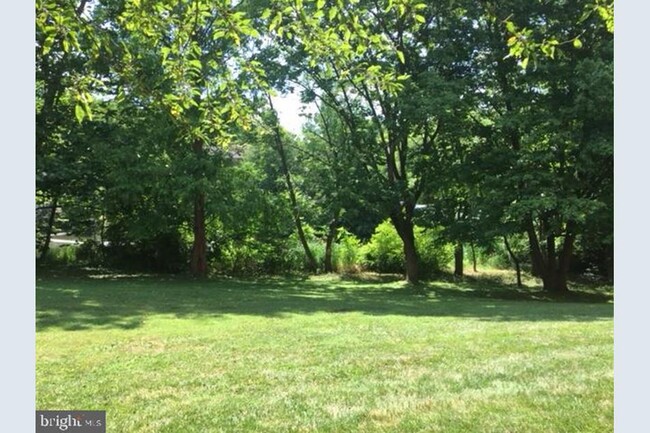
x: 474, y: 258
x: 48, y: 230
x: 535, y: 269
x: 564, y: 260
x: 198, y: 260
x: 404, y: 227
x: 459, y: 255
x: 536, y: 256
x: 329, y: 241
x: 554, y: 268
x: 605, y: 262
x: 312, y: 265
x: 515, y: 260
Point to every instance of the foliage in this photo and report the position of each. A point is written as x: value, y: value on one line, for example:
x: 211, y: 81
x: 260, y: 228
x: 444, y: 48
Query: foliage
x: 348, y: 252
x: 179, y: 158
x: 527, y: 43
x: 65, y: 255
x: 383, y: 252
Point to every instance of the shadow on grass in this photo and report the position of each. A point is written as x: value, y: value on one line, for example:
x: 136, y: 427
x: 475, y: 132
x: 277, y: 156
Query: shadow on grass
x: 93, y: 300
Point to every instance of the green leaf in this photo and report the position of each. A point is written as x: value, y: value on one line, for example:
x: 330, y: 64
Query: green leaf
x: 524, y: 63
x: 577, y: 43
x: 47, y: 45
x: 400, y: 55
x: 79, y: 112
x: 320, y: 4
x: 419, y: 18
x: 333, y: 12
x: 250, y: 31
x: 276, y: 21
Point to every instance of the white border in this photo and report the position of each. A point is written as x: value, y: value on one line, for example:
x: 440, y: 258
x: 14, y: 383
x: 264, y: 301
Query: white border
x: 632, y: 298
x: 17, y: 280
x: 631, y: 168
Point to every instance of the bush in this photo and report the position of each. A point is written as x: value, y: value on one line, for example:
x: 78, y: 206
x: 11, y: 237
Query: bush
x: 495, y: 254
x: 435, y: 253
x: 249, y: 256
x: 89, y: 252
x: 384, y: 252
x: 166, y: 252
x: 61, y: 255
x: 347, y: 252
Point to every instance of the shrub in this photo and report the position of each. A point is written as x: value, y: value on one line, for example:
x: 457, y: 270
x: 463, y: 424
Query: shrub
x: 435, y: 253
x: 249, y: 256
x: 90, y: 252
x: 495, y: 254
x: 347, y: 252
x: 384, y: 252
x: 165, y: 252
x: 61, y: 255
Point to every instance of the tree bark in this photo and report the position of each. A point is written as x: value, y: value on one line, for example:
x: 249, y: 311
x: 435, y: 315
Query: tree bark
x: 536, y: 256
x: 48, y: 230
x: 459, y: 255
x: 609, y: 264
x: 312, y: 265
x: 198, y: 260
x: 474, y: 258
x: 329, y: 241
x: 564, y: 259
x: 515, y: 260
x: 405, y: 230
x: 535, y: 269
x: 554, y: 267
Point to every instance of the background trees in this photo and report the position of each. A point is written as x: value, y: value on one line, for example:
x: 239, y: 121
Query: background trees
x: 543, y: 144
x: 156, y: 131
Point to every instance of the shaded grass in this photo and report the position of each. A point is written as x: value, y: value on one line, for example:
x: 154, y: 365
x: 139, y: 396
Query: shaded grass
x: 322, y: 354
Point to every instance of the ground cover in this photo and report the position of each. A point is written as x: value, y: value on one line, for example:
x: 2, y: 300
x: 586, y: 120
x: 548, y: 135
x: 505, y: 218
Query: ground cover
x: 323, y: 354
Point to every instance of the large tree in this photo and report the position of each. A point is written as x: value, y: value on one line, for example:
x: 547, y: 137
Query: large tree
x: 199, y: 72
x: 546, y: 158
x: 377, y: 67
x: 66, y: 50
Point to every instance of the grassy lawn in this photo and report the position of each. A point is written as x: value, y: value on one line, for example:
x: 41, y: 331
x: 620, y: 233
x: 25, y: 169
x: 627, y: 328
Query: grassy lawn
x: 324, y: 354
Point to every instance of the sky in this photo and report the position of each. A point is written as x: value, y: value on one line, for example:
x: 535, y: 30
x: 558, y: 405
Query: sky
x: 289, y: 111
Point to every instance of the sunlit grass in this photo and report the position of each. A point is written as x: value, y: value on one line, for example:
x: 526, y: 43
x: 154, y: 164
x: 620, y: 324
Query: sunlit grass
x: 323, y: 354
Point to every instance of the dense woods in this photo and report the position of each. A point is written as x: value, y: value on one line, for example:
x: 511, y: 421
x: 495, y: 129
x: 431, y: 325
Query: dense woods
x: 437, y: 132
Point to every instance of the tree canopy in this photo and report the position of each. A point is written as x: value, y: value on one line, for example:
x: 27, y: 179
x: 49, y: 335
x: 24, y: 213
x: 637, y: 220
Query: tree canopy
x: 158, y: 139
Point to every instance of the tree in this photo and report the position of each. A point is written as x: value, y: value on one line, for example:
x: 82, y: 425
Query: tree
x: 546, y: 155
x: 334, y: 180
x: 66, y: 47
x: 278, y: 142
x: 200, y: 76
x: 364, y: 62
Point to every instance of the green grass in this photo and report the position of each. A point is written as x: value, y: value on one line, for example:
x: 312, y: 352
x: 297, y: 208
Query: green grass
x: 323, y: 354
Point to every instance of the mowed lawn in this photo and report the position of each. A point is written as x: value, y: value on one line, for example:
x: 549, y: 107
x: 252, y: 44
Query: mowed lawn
x: 323, y: 354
